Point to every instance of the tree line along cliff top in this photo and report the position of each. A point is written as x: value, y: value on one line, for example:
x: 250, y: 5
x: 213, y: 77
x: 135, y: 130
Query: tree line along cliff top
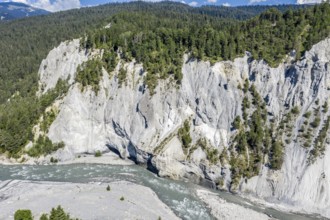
x: 155, y: 34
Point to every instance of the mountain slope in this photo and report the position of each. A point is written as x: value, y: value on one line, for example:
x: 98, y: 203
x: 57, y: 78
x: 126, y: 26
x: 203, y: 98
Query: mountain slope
x: 14, y: 10
x: 24, y: 43
x: 35, y: 37
x: 241, y: 125
x: 177, y: 91
x: 125, y: 118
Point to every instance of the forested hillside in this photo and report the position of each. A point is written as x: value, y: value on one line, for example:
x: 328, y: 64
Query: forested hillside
x: 156, y: 34
x: 159, y: 40
x: 24, y: 43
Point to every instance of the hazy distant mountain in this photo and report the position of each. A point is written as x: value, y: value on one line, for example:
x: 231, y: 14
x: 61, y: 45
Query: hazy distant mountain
x: 309, y: 1
x: 14, y: 10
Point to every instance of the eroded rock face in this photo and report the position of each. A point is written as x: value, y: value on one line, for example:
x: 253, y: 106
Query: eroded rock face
x: 126, y: 119
x: 61, y: 63
x: 298, y: 183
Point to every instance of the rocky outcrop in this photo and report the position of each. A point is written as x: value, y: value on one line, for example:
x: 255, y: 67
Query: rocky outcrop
x: 299, y: 183
x: 61, y: 63
x: 125, y: 118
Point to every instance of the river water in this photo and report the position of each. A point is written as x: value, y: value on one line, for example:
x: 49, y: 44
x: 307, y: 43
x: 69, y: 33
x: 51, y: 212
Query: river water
x: 178, y: 195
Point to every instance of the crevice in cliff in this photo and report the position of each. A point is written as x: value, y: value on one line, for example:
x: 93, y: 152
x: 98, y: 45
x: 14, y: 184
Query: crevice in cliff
x: 142, y: 115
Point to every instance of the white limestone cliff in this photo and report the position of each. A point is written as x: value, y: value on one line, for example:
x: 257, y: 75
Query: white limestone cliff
x: 128, y: 120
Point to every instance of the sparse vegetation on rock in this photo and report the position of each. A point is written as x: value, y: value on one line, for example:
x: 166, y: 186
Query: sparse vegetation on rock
x: 90, y: 74
x: 184, y: 135
x: 44, y: 146
x: 98, y: 154
x: 23, y: 215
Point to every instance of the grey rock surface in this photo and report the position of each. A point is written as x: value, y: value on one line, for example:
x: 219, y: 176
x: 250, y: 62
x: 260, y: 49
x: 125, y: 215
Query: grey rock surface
x: 127, y: 119
x: 83, y: 201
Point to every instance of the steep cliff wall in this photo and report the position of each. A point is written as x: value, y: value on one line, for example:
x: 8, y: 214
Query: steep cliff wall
x: 124, y: 117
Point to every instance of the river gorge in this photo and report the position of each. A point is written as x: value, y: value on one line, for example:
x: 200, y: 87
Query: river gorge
x: 180, y: 196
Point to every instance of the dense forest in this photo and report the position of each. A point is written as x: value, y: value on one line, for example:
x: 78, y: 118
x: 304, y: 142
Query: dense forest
x: 24, y: 43
x: 159, y: 39
x: 155, y: 34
